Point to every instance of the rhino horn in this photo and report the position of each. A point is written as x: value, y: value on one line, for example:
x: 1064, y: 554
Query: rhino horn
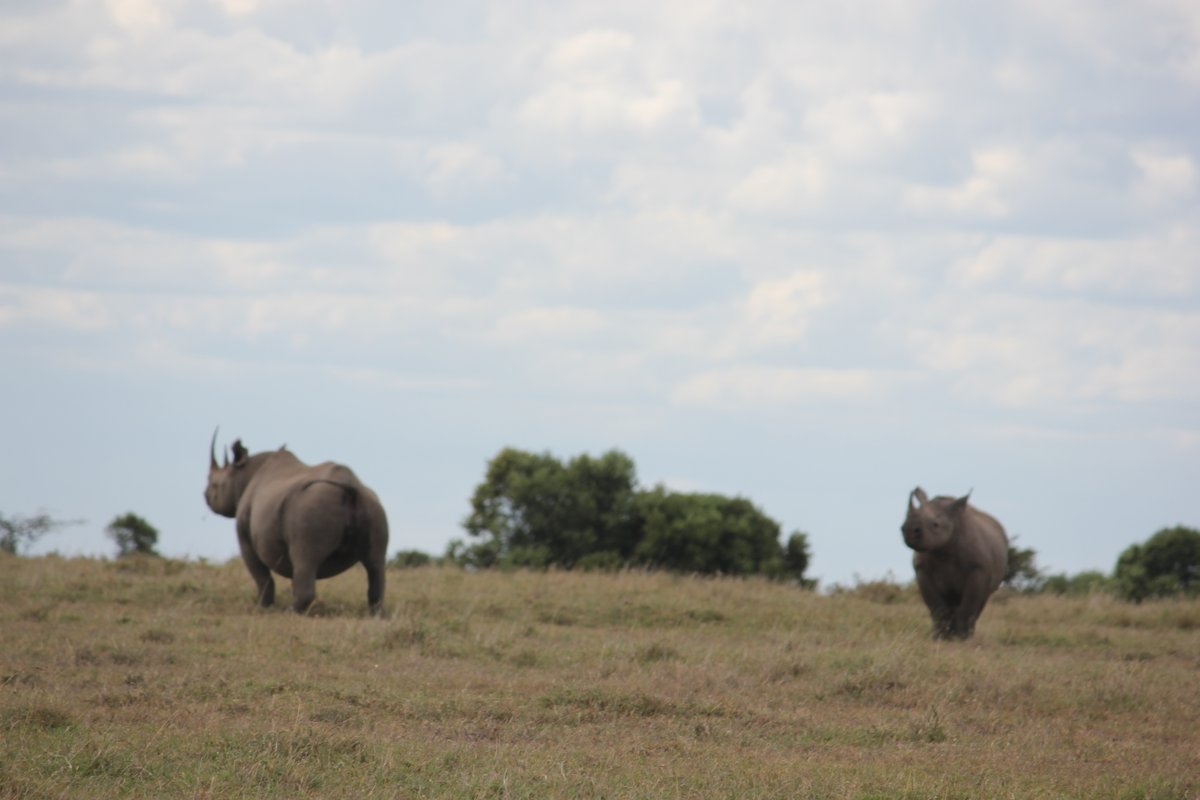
x: 212, y: 450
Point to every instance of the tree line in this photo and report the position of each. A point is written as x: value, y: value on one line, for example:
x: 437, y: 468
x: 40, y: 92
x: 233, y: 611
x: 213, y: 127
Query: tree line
x: 536, y: 511
x: 1165, y: 565
x: 132, y: 534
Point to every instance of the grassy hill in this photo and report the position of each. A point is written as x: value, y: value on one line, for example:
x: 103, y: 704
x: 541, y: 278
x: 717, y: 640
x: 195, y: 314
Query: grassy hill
x: 154, y: 678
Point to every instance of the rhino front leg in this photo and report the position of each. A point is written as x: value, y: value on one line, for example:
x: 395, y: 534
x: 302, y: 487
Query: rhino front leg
x: 940, y: 613
x: 259, y: 571
x: 975, y: 597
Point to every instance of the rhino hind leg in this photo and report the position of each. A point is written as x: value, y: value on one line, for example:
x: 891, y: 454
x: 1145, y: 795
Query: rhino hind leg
x: 304, y: 587
x: 375, y: 584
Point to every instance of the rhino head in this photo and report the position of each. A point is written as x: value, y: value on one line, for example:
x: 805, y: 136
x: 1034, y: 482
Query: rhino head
x: 931, y: 524
x: 225, y: 482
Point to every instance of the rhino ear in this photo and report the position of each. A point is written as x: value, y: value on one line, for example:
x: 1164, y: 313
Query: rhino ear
x: 958, y: 505
x: 239, y: 453
x: 919, y: 495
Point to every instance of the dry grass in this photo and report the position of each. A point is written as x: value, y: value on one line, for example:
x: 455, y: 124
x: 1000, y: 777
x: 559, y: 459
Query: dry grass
x: 160, y: 679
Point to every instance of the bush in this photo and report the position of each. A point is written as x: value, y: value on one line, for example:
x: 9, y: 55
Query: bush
x: 1023, y: 573
x: 406, y: 559
x: 132, y: 535
x: 535, y: 511
x: 1166, y: 564
x: 1080, y: 585
x: 706, y: 533
x: 17, y: 532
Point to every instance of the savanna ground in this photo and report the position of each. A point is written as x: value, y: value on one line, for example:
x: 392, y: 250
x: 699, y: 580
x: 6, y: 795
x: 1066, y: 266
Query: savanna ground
x: 154, y: 678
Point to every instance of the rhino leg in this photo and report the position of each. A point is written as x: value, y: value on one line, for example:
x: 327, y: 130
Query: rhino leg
x: 259, y: 571
x: 941, y: 614
x: 975, y: 597
x: 375, y: 584
x: 304, y: 587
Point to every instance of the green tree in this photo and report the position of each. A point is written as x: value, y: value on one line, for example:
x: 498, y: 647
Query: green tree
x: 1168, y: 563
x: 707, y: 533
x: 796, y: 557
x: 533, y: 510
x: 1079, y: 585
x: 1023, y: 573
x: 17, y: 532
x: 408, y: 559
x: 133, y: 535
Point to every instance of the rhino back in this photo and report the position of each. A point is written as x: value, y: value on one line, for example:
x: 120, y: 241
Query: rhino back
x: 983, y: 543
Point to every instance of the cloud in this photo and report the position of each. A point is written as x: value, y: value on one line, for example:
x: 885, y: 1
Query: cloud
x: 1165, y: 178
x: 461, y: 166
x: 139, y: 17
x: 778, y: 311
x: 796, y: 183
x: 705, y: 195
x: 753, y: 387
x: 548, y: 327
x: 984, y: 193
x: 593, y: 84
x: 870, y: 125
x: 75, y: 311
x: 1157, y: 264
x: 1060, y: 356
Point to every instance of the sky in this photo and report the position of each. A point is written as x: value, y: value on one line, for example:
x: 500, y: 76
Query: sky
x: 813, y: 254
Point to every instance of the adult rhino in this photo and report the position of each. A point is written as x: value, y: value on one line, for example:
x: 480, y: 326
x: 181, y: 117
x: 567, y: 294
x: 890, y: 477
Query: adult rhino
x: 961, y: 556
x: 303, y: 522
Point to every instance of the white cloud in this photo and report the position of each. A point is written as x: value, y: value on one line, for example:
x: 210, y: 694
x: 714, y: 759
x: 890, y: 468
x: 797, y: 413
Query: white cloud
x: 75, y: 311
x: 548, y: 327
x: 984, y: 193
x: 1165, y: 178
x: 1157, y: 264
x: 139, y: 17
x: 796, y: 183
x: 750, y: 387
x: 601, y: 82
x: 597, y: 107
x: 779, y: 311
x: 868, y: 125
x: 461, y: 166
x: 1032, y: 353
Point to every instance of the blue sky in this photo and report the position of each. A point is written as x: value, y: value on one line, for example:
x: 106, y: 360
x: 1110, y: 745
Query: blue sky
x: 814, y: 254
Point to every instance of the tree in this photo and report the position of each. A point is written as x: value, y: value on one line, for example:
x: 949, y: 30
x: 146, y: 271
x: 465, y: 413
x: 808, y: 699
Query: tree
x: 796, y: 557
x: 533, y: 510
x: 408, y: 559
x: 17, y: 532
x: 1023, y: 573
x: 133, y: 535
x: 1079, y: 585
x: 707, y: 533
x: 1168, y: 563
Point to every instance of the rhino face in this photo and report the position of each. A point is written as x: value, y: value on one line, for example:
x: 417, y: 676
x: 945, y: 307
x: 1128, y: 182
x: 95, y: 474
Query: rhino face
x: 931, y: 524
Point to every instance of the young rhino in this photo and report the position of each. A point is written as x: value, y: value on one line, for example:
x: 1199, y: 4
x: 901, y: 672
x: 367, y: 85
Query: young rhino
x: 961, y: 556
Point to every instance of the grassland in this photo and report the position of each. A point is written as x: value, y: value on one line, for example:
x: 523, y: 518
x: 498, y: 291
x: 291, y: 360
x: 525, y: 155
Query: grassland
x: 154, y: 678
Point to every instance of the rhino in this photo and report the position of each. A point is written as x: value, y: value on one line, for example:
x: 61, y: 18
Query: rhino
x: 302, y: 522
x: 960, y: 558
